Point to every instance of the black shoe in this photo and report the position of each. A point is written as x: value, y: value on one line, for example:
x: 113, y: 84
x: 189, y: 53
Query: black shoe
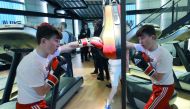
x: 173, y: 106
x: 94, y: 73
x: 87, y: 60
x: 108, y: 79
x: 99, y: 78
x: 109, y: 85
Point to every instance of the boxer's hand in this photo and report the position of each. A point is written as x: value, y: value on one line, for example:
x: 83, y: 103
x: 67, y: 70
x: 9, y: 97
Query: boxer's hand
x: 93, y: 41
x: 57, y: 65
x: 140, y: 59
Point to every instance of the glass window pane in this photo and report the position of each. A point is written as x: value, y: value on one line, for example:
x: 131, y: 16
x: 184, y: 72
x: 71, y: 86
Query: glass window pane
x: 11, y: 19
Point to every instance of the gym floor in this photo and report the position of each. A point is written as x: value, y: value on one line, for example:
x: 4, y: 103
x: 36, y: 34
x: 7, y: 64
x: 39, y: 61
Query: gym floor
x: 93, y: 93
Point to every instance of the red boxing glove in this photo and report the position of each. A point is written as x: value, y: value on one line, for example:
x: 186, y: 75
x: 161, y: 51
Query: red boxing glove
x: 141, y: 60
x: 57, y: 65
x: 145, y: 57
x: 93, y: 41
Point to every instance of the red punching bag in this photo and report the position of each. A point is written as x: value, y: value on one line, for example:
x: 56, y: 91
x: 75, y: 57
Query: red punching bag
x: 111, y: 33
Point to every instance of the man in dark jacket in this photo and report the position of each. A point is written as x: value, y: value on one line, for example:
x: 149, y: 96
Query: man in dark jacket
x: 84, y: 33
x: 100, y: 62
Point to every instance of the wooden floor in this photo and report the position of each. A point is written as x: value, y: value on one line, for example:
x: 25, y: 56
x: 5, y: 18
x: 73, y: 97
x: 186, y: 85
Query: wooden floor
x: 93, y: 93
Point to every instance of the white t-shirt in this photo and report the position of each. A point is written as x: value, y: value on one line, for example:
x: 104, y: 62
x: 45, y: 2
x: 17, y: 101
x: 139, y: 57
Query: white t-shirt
x: 162, y: 61
x: 32, y: 72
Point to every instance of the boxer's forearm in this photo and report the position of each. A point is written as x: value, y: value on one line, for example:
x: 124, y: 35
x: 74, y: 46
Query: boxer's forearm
x: 42, y: 90
x: 130, y: 45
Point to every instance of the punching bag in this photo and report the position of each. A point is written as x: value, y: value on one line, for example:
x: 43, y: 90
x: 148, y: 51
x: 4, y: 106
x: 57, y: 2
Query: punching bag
x: 111, y: 33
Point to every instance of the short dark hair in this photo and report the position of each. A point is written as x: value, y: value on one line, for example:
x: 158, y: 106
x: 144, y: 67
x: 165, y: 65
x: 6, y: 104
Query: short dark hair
x: 146, y: 29
x: 45, y: 30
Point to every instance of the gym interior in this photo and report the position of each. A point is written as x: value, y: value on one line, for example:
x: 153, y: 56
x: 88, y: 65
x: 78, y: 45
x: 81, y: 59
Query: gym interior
x: 82, y: 86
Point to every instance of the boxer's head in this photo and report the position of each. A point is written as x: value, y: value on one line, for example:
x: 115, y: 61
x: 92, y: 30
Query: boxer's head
x: 147, y: 36
x: 48, y: 37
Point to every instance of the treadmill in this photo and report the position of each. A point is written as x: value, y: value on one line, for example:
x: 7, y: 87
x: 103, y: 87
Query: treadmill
x: 14, y: 36
x: 183, y: 78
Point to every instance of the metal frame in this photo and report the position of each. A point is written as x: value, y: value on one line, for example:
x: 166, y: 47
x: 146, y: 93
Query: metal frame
x: 184, y: 61
x: 56, y: 5
x: 32, y: 13
x: 12, y: 74
x: 175, y: 25
x: 79, y: 7
x: 55, y: 94
x: 12, y: 2
x: 182, y: 56
x: 123, y: 52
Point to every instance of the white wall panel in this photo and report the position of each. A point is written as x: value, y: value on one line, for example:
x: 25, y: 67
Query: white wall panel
x: 37, y: 6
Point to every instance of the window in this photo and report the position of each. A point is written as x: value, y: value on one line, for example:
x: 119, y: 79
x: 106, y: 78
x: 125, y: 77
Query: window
x: 69, y: 25
x: 131, y: 19
x: 11, y: 19
x: 91, y: 27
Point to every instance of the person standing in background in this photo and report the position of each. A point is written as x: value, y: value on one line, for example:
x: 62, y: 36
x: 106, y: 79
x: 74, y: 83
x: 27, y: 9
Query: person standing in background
x: 97, y: 31
x: 66, y: 36
x: 101, y: 63
x: 63, y: 29
x: 84, y: 33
